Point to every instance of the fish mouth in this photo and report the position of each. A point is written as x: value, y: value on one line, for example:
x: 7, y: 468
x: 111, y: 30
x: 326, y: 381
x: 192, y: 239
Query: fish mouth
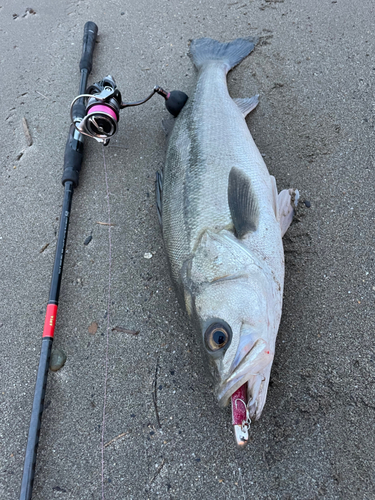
x: 252, y: 365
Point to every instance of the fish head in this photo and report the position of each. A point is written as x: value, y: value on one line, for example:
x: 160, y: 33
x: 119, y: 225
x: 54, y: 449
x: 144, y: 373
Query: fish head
x: 237, y: 310
x: 235, y: 333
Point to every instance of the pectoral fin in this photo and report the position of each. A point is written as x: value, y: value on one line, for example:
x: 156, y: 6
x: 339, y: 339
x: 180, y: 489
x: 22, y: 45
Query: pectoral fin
x: 243, y: 204
x: 284, y: 205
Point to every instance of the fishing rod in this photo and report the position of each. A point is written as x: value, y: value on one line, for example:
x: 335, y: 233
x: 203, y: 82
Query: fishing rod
x: 94, y: 113
x: 72, y: 166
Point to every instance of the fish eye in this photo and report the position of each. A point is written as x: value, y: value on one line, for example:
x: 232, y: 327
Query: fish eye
x: 217, y: 336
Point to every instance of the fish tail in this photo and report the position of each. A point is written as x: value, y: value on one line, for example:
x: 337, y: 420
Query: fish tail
x: 205, y: 50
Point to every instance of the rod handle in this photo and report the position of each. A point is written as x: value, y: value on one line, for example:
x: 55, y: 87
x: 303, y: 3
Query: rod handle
x: 90, y: 32
x: 36, y: 418
x: 73, y: 158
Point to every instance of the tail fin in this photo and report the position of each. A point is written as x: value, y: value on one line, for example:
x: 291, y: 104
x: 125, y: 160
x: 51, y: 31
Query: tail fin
x: 205, y: 50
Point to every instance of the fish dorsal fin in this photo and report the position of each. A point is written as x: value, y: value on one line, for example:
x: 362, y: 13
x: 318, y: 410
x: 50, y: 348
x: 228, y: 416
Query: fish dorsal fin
x: 243, y: 204
x: 247, y: 104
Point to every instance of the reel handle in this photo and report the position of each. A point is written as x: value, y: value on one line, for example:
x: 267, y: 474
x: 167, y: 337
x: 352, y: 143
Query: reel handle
x: 90, y: 33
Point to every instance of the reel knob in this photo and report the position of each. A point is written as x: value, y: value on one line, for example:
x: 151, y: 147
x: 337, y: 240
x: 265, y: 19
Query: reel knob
x: 175, y: 101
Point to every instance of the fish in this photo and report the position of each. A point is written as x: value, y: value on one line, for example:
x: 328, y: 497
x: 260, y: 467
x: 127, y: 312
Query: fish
x: 222, y: 223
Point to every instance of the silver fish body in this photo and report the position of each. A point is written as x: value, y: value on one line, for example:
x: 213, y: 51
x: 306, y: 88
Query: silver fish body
x: 222, y: 222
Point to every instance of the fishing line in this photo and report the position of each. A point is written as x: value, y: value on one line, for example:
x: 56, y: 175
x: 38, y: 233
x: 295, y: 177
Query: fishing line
x: 108, y: 313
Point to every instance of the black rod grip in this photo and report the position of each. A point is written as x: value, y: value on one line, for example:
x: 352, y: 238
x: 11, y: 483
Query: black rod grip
x: 90, y: 32
x: 36, y: 418
x: 73, y: 158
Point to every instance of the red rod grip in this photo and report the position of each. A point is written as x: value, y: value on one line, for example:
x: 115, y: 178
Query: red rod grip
x: 50, y: 321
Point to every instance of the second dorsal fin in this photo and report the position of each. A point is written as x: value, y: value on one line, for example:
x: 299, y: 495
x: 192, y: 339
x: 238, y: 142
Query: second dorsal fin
x: 247, y: 104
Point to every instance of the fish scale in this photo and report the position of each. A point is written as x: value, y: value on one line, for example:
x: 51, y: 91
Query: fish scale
x: 209, y: 150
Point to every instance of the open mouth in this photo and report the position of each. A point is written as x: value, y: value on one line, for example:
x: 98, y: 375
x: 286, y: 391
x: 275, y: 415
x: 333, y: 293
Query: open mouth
x: 251, y: 365
x: 235, y: 388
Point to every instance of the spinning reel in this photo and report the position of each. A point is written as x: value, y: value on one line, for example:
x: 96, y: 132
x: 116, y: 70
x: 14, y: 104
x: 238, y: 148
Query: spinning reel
x: 97, y: 113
